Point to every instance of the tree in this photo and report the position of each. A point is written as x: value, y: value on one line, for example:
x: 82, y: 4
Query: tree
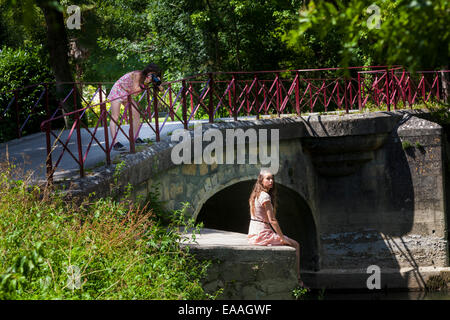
x: 411, y: 33
x: 56, y: 38
x: 58, y: 47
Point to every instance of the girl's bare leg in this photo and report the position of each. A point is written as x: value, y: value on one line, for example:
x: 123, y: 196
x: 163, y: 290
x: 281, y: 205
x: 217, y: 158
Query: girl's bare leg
x: 296, y: 245
x: 115, y: 111
x: 136, y: 118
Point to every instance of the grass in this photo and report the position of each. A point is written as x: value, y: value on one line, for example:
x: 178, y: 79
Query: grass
x: 406, y: 144
x: 53, y: 248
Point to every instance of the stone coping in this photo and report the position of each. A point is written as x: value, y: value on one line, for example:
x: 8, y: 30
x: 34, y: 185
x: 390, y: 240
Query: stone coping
x: 214, y: 239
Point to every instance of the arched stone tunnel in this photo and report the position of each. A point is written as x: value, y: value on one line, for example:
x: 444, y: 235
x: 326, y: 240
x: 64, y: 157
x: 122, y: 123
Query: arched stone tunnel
x: 228, y: 210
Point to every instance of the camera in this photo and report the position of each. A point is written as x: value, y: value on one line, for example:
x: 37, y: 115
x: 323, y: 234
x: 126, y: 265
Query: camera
x: 156, y: 80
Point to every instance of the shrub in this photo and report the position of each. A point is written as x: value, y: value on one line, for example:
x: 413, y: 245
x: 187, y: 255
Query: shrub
x: 51, y: 248
x: 20, y: 68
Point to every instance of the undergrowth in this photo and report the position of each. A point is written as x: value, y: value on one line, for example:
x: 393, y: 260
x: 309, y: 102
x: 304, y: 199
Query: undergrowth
x: 51, y: 248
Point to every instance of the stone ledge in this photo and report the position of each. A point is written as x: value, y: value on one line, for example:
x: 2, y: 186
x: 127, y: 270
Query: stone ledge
x: 418, y: 127
x: 224, y: 245
x: 212, y: 238
x: 244, y: 271
x: 413, y: 279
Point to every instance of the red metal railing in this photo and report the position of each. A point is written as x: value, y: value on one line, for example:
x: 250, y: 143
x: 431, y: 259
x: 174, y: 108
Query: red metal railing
x: 233, y: 94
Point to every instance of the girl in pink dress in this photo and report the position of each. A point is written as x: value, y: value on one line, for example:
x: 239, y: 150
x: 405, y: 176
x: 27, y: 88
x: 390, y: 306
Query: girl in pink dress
x: 133, y: 82
x: 264, y: 229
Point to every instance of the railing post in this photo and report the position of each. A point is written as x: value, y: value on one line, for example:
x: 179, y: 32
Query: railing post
x: 337, y: 93
x: 77, y: 119
x: 16, y: 105
x: 130, y: 123
x: 192, y: 100
x: 423, y: 88
x: 155, y: 108
x: 437, y: 86
x: 359, y: 92
x: 278, y: 88
x: 297, y: 93
x: 171, y: 113
x: 234, y: 99
x: 388, y: 99
x: 105, y: 125
x: 247, y: 104
x: 363, y: 92
x: 345, y: 95
x: 211, y: 92
x: 264, y: 98
x: 256, y: 97
x: 349, y: 87
x: 409, y: 91
x: 310, y: 97
x: 184, y: 106
x: 48, y: 161
x: 47, y: 107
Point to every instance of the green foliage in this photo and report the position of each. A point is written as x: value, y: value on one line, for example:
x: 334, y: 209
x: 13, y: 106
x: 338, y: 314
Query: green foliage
x: 299, y: 293
x: 440, y: 113
x: 406, y: 145
x: 411, y: 33
x: 19, y: 68
x: 51, y: 248
x: 203, y: 36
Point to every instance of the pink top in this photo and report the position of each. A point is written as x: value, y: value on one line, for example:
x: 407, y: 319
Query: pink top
x: 122, y: 87
x: 260, y: 214
x: 260, y: 232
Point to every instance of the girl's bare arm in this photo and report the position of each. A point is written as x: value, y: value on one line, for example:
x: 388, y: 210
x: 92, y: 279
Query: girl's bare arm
x: 273, y: 220
x: 136, y: 82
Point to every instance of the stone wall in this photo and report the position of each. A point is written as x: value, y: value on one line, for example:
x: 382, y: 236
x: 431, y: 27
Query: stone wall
x: 394, y: 202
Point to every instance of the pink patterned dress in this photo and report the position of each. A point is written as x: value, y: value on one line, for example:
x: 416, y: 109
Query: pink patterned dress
x: 122, y: 88
x: 260, y: 232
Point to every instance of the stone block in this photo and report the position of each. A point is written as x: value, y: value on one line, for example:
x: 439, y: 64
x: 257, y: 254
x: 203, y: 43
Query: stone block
x: 189, y: 169
x: 176, y: 189
x: 208, y: 184
x: 213, y: 167
x: 203, y: 169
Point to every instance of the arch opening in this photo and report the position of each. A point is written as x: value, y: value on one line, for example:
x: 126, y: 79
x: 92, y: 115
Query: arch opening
x: 228, y: 210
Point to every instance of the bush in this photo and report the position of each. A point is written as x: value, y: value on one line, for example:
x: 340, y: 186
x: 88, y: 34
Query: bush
x: 54, y: 249
x: 20, y: 68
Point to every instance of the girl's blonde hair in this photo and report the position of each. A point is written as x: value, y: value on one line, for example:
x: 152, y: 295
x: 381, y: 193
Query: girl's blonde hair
x: 259, y: 187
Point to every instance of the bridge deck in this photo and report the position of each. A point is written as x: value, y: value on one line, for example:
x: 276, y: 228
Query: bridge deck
x: 29, y: 153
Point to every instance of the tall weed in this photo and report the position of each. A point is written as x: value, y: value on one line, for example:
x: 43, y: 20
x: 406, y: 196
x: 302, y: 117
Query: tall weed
x: 51, y: 248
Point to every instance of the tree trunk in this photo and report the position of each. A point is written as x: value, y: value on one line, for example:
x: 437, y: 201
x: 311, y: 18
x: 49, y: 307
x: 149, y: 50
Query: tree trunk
x: 58, y: 49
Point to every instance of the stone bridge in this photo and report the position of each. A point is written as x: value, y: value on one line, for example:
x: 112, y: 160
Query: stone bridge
x: 355, y: 190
